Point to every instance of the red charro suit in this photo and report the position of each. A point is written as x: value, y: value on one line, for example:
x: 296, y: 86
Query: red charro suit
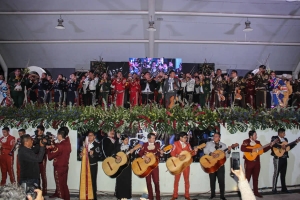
x: 252, y: 168
x: 119, y: 88
x: 134, y: 89
x: 60, y: 155
x: 155, y: 173
x: 42, y: 166
x: 177, y: 149
x: 7, y: 161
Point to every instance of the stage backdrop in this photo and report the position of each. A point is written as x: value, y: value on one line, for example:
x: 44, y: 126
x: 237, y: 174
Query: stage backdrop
x: 199, y: 180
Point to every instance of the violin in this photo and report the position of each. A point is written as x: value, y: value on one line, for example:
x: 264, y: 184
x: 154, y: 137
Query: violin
x: 238, y: 95
x: 221, y: 96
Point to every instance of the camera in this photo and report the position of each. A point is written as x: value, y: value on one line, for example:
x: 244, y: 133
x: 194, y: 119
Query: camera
x: 29, y: 189
x: 48, y: 137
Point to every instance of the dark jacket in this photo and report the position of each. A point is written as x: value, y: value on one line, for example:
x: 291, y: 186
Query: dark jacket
x: 29, y: 162
x: 152, y: 85
x: 96, y: 152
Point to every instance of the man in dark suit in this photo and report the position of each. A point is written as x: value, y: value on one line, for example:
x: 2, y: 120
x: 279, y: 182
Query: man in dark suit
x: 148, y: 86
x: 170, y: 88
x: 280, y: 163
x: 152, y: 147
x: 252, y: 167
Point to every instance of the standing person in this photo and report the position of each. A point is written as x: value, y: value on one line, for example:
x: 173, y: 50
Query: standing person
x: 40, y: 133
x: 103, y: 89
x: 152, y: 147
x: 43, y: 87
x: 160, y: 79
x: 93, y: 153
x: 148, y: 86
x: 219, y: 86
x: 29, y: 161
x: 109, y: 144
x: 72, y: 94
x: 60, y: 154
x: 276, y: 87
x: 170, y: 88
x: 188, y: 85
x: 220, y: 173
x: 250, y: 91
x: 252, y: 168
x: 178, y: 147
x: 17, y: 87
x: 118, y: 85
x: 90, y: 85
x: 236, y: 88
x: 123, y: 181
x: 261, y: 82
x: 58, y: 87
x: 32, y: 80
x: 7, y: 143
x: 3, y: 91
x: 20, y: 132
x: 280, y: 163
x: 134, y: 90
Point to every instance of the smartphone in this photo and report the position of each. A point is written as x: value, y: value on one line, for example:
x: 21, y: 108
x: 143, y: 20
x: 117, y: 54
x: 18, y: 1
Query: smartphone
x: 235, y: 161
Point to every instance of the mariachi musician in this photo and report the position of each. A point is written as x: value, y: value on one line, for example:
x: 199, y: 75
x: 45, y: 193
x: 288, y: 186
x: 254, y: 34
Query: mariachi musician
x: 216, y: 144
x: 148, y: 86
x: 236, y: 90
x: 188, y: 85
x: 58, y: 87
x: 43, y: 87
x: 170, y: 88
x: 49, y: 92
x: 72, y: 93
x: 134, y: 89
x: 17, y: 86
x: 103, y: 89
x: 152, y: 147
x: 219, y: 85
x: 32, y: 80
x: 250, y: 91
x: 261, y: 81
x: 118, y: 85
x: 178, y: 147
x: 159, y: 87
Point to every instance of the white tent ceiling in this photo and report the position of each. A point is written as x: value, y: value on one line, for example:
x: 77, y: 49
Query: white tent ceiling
x: 193, y: 30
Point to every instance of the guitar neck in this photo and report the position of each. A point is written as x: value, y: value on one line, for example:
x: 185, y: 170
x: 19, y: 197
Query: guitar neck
x: 289, y: 144
x: 262, y: 147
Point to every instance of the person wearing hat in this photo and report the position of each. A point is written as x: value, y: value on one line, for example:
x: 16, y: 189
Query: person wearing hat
x: 17, y: 86
x: 261, y: 81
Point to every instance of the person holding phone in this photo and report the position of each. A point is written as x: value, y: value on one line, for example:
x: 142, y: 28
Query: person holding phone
x: 252, y: 168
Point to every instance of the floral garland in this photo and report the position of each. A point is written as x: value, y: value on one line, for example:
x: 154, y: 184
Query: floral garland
x: 150, y: 117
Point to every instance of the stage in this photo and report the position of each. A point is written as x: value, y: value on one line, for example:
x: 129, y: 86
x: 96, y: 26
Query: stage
x: 199, y: 180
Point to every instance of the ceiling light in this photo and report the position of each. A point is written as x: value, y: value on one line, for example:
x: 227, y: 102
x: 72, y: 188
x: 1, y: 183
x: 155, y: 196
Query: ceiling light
x: 247, y: 28
x: 151, y: 26
x: 60, y: 25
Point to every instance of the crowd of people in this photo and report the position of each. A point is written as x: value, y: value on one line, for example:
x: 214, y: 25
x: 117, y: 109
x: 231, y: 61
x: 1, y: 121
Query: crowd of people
x: 34, y: 151
x: 262, y: 89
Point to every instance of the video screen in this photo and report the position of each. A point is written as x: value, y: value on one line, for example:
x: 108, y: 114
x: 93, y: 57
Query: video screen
x: 155, y: 65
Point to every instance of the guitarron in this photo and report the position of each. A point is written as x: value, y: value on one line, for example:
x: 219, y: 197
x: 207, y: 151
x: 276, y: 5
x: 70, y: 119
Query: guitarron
x: 210, y: 164
x: 114, y: 168
x: 141, y: 168
x: 176, y: 165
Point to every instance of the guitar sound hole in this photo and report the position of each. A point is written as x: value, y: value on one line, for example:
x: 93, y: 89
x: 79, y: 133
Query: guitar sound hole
x: 182, y: 158
x: 148, y: 161
x: 118, y: 161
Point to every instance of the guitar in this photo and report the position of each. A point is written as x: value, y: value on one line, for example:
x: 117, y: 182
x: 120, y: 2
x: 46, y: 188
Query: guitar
x: 141, y: 168
x: 113, y: 167
x: 176, y: 165
x: 280, y: 151
x: 210, y: 164
x: 260, y: 150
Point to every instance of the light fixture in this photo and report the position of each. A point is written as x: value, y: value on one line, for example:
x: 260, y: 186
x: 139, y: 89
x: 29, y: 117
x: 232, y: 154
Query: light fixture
x: 60, y: 25
x: 151, y: 26
x: 247, y: 28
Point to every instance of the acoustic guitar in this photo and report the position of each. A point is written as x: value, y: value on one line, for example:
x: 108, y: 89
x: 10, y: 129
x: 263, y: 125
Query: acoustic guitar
x: 280, y: 151
x: 176, y: 165
x: 113, y: 167
x: 210, y: 164
x: 141, y: 168
x: 260, y: 150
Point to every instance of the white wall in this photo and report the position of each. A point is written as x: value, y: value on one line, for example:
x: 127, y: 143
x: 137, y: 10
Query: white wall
x: 199, y: 180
